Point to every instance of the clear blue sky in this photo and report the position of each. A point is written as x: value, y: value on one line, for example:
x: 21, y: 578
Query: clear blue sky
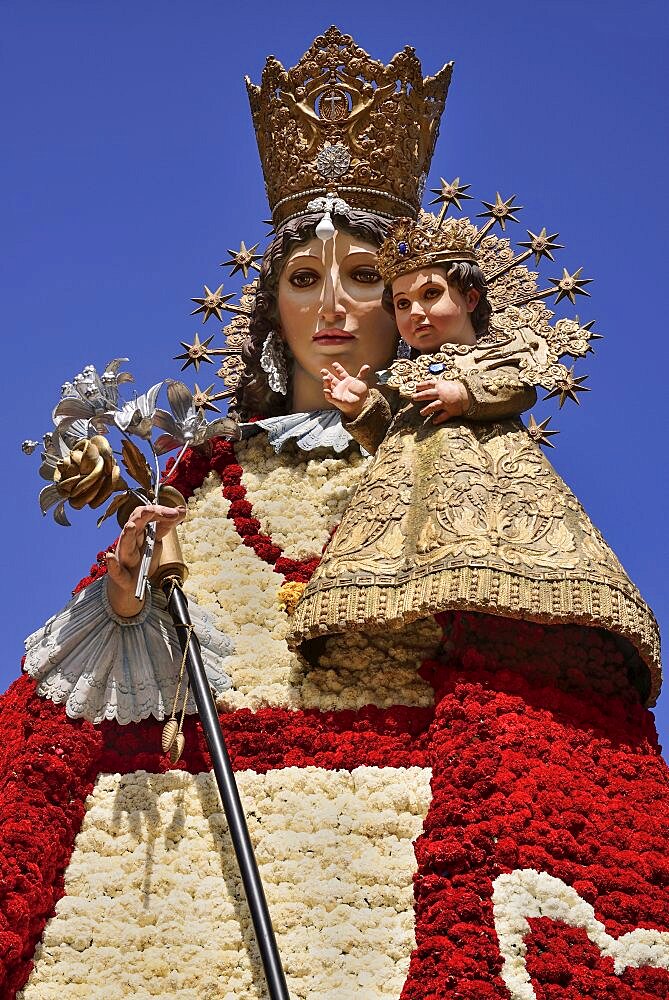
x: 130, y: 166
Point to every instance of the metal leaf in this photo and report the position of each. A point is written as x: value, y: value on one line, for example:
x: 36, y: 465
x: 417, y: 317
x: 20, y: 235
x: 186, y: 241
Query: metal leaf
x: 60, y: 516
x: 180, y: 399
x: 125, y: 415
x: 68, y: 432
x: 165, y: 443
x: 224, y: 426
x: 114, y: 365
x: 166, y: 422
x: 136, y: 465
x: 73, y: 408
x: 146, y: 404
x: 48, y: 497
x: 47, y: 468
x: 115, y: 504
x: 101, y: 424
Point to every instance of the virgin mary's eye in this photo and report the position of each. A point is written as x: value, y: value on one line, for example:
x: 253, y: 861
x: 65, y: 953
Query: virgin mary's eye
x: 366, y: 275
x: 302, y: 279
x: 402, y: 304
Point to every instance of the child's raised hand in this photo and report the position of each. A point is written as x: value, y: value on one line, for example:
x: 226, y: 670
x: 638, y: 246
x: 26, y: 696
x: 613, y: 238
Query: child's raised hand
x: 449, y: 399
x: 347, y: 392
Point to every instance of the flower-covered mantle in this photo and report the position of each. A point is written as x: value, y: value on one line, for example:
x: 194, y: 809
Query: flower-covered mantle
x: 545, y: 829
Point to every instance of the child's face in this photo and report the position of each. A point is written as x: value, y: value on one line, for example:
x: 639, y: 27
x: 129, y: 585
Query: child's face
x: 430, y: 312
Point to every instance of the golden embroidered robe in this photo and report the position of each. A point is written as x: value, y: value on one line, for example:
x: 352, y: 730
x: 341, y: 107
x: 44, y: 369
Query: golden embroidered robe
x: 467, y: 515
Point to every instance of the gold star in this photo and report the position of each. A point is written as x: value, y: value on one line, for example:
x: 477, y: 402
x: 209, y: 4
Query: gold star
x: 569, y: 285
x: 243, y: 259
x: 202, y: 398
x: 196, y: 353
x: 591, y: 333
x: 541, y: 245
x: 501, y: 210
x: 539, y: 432
x: 450, y: 194
x: 568, y: 387
x: 211, y: 303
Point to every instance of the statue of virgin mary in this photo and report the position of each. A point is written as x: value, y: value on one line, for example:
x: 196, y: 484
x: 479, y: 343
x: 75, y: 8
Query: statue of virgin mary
x: 470, y: 805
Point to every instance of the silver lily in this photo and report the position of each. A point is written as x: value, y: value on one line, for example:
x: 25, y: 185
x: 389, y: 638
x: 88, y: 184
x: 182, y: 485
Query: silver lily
x: 92, y: 397
x: 187, y: 425
x: 137, y: 416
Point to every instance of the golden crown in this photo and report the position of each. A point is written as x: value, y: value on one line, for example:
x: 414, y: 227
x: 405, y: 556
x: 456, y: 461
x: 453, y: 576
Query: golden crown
x: 411, y: 245
x: 340, y: 124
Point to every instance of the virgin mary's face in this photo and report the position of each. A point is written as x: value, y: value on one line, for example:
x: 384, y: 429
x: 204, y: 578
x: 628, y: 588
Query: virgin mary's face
x: 329, y: 300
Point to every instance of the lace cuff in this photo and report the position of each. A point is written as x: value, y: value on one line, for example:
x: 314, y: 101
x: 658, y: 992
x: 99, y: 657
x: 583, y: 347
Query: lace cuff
x: 102, y: 666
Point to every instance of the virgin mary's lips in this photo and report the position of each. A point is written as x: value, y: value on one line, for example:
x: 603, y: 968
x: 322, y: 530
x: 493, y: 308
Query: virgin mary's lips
x: 332, y: 336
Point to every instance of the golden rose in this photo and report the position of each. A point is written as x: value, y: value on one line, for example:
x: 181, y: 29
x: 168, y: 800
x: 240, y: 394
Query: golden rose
x: 89, y: 474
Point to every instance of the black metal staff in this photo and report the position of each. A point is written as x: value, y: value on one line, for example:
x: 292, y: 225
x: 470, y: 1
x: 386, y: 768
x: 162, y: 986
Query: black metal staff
x: 170, y: 576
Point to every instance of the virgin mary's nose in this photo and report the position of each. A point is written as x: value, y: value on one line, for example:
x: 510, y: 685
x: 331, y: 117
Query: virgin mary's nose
x: 332, y: 309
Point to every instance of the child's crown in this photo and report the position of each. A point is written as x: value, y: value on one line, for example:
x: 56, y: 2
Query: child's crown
x: 411, y: 245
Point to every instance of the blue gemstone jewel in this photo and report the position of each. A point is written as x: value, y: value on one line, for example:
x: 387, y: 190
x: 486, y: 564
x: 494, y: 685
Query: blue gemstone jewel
x: 436, y: 368
x: 403, y: 248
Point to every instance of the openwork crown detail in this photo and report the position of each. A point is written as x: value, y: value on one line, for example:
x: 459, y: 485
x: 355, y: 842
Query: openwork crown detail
x: 342, y: 123
x: 411, y: 245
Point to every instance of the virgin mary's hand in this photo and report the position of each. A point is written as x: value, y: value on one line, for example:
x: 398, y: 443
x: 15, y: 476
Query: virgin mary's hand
x: 123, y: 563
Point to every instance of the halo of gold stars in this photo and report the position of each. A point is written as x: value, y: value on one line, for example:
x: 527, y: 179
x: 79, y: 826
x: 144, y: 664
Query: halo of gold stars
x: 570, y: 285
x: 568, y: 387
x: 450, y: 193
x: 211, y: 303
x: 243, y: 259
x: 542, y: 245
x: 196, y: 353
x: 592, y: 335
x: 540, y: 433
x: 203, y: 398
x: 500, y: 210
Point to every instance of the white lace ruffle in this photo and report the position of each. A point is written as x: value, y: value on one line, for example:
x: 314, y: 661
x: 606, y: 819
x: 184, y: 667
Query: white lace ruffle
x: 106, y: 667
x: 309, y: 431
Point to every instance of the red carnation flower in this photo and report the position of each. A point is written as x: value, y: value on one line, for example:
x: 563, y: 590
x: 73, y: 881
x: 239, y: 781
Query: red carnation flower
x: 240, y: 508
x: 234, y: 492
x: 232, y: 474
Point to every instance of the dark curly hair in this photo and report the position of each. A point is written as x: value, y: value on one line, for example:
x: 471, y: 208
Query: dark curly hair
x: 254, y: 396
x: 463, y: 275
